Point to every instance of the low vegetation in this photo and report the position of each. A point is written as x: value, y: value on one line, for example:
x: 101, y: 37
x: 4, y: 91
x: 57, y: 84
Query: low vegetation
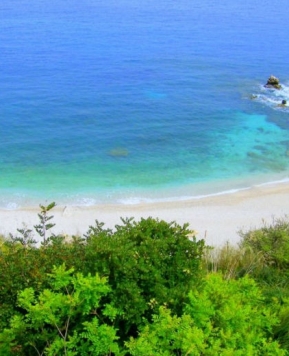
x: 146, y: 288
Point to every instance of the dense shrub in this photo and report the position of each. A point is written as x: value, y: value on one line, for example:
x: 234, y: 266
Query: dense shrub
x: 222, y: 317
x: 271, y: 242
x: 147, y: 287
x: 146, y: 264
x: 62, y: 320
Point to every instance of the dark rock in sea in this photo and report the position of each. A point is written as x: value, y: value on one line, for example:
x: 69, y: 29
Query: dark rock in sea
x: 283, y: 104
x: 273, y: 83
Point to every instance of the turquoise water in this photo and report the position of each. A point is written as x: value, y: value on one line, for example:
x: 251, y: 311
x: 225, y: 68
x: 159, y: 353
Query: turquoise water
x: 126, y: 102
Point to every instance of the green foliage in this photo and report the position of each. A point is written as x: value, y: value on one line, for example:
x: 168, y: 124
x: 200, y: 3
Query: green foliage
x: 147, y: 263
x: 24, y: 265
x: 26, y: 239
x: 231, y: 306
x: 223, y: 317
x: 152, y: 298
x: 168, y: 335
x: 281, y: 330
x: 272, y: 242
x: 271, y: 245
x: 62, y: 320
x: 232, y: 261
x: 44, y: 224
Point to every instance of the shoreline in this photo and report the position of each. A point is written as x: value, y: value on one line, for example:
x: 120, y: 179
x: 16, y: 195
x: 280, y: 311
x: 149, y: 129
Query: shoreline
x: 216, y: 218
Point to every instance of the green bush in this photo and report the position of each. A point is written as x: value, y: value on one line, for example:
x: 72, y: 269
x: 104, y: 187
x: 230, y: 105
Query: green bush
x: 271, y: 242
x: 147, y: 263
x: 154, y: 299
x: 222, y: 317
x: 62, y: 320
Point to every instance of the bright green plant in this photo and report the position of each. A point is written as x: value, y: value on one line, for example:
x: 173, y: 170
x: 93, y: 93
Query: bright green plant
x: 168, y: 335
x: 232, y: 311
x: 62, y: 320
x: 281, y: 331
x: 24, y: 265
x: 223, y: 317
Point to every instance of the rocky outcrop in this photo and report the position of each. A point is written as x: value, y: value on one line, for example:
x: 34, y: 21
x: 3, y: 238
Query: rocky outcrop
x: 273, y: 83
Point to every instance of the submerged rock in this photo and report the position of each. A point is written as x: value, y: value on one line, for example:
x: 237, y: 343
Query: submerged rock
x: 273, y: 83
x: 118, y: 152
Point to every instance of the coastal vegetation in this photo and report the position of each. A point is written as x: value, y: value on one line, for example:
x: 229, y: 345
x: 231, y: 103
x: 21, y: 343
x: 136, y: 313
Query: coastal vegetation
x: 145, y: 288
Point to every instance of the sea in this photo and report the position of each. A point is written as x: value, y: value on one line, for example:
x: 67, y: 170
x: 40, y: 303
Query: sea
x: 126, y: 101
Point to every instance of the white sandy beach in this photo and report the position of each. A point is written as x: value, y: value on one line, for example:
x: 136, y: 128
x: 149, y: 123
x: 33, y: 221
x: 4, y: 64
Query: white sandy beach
x: 216, y: 218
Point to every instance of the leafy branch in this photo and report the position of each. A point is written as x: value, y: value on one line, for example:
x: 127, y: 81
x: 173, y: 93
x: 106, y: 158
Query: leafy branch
x: 44, y: 224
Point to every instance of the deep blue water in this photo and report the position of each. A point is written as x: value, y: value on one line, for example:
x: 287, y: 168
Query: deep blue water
x: 120, y: 101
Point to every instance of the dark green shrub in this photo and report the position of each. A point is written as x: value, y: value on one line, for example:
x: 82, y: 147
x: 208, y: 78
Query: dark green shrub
x: 147, y: 263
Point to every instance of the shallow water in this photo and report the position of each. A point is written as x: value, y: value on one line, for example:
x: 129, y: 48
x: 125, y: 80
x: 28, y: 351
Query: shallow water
x: 125, y: 102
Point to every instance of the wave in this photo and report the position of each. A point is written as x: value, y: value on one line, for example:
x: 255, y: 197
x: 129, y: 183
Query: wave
x: 135, y: 200
x: 140, y: 200
x: 273, y: 97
